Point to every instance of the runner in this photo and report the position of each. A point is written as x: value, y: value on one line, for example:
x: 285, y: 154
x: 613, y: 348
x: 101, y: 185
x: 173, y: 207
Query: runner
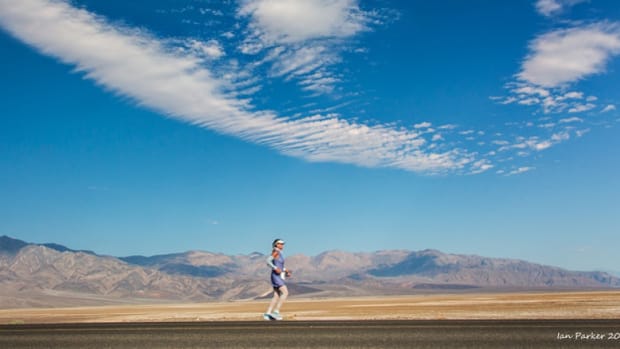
x: 278, y: 275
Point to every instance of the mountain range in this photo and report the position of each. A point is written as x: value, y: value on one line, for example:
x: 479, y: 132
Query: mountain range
x: 49, y: 275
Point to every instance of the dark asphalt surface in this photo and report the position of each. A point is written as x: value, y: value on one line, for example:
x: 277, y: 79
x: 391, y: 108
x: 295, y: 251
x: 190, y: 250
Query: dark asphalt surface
x: 318, y: 334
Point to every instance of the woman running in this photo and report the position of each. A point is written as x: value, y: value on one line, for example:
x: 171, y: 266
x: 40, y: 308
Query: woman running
x: 278, y: 275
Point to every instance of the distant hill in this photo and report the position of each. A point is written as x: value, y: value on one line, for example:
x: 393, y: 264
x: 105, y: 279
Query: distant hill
x: 11, y: 246
x: 490, y: 272
x: 36, y: 275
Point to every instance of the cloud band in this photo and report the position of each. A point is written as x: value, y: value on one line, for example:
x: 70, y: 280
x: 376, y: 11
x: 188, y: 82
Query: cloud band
x: 135, y: 64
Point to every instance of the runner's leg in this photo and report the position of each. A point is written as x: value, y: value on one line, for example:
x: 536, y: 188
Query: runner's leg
x: 274, y: 300
x: 282, y: 297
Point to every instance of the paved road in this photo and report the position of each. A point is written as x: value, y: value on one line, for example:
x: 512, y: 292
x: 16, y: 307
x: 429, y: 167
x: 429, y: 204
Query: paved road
x: 318, y: 334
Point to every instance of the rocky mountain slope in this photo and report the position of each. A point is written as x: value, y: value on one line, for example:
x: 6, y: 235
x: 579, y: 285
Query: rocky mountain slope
x: 33, y: 275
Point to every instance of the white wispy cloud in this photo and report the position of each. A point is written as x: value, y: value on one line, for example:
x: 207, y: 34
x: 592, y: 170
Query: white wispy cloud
x: 531, y: 90
x: 144, y: 68
x: 574, y: 95
x: 424, y: 124
x: 609, y: 107
x: 580, y: 133
x: 447, y: 127
x: 570, y: 120
x: 525, y: 145
x: 553, y: 7
x: 518, y: 171
x: 303, y: 38
x: 559, y: 59
x: 308, y: 65
x: 293, y: 21
x: 481, y: 166
x: 549, y: 100
x: 568, y: 55
x: 211, y: 49
x: 578, y: 108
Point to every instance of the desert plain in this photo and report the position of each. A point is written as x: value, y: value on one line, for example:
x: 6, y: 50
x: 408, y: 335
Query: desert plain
x: 464, y: 306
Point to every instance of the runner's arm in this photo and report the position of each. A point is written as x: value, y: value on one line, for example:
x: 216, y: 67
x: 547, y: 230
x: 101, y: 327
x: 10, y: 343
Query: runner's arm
x: 270, y: 262
x: 270, y: 259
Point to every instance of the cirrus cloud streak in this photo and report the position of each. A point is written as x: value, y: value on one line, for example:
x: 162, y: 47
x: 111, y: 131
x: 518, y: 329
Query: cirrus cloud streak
x: 135, y: 64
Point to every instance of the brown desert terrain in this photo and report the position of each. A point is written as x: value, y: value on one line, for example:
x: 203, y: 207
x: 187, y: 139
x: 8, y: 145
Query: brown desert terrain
x: 523, y: 305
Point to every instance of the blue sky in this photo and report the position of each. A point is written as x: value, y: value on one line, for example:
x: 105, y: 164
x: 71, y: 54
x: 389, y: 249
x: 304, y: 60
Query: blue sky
x: 148, y: 127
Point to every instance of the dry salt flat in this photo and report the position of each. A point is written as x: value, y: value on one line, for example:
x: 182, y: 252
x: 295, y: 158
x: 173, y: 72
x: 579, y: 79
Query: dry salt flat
x: 470, y: 306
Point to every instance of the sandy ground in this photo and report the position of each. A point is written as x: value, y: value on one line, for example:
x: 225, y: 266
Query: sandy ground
x: 534, y: 305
